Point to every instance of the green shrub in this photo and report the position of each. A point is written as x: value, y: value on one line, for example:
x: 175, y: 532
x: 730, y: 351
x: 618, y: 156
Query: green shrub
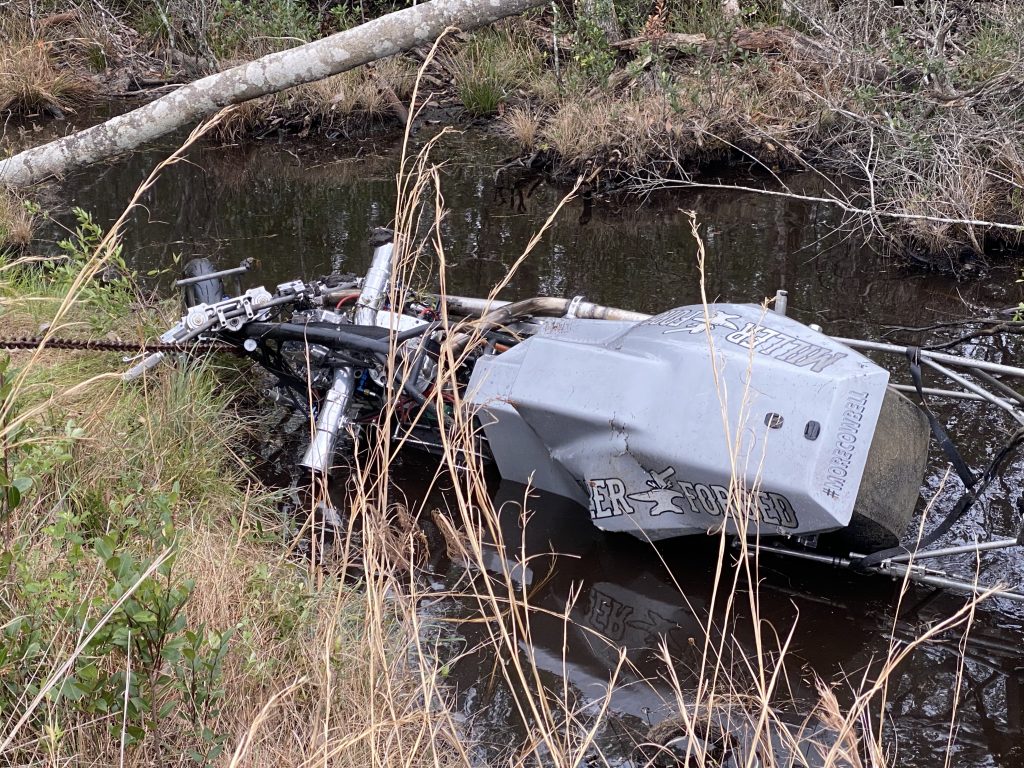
x: 244, y: 29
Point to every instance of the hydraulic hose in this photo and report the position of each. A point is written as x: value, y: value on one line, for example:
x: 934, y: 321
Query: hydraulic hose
x: 551, y: 306
x: 540, y: 306
x: 331, y: 337
x: 476, y: 307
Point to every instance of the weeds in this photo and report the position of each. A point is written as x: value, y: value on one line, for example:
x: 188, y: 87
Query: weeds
x: 247, y: 30
x: 32, y: 83
x: 490, y: 67
x: 155, y: 612
x: 17, y: 222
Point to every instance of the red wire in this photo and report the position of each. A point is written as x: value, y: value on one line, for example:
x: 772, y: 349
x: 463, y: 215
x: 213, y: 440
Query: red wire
x: 345, y: 300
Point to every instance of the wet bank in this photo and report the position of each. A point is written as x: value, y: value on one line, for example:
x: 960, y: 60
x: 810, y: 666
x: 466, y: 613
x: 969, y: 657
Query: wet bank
x: 304, y: 212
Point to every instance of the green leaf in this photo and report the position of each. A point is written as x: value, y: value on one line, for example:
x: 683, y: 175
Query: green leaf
x: 104, y: 548
x: 71, y: 690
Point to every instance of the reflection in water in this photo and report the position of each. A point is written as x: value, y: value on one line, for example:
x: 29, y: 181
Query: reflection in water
x: 621, y: 595
x: 303, y: 212
x: 306, y: 214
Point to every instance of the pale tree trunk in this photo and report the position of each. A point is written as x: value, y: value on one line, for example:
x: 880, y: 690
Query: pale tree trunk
x: 377, y: 39
x: 602, y: 14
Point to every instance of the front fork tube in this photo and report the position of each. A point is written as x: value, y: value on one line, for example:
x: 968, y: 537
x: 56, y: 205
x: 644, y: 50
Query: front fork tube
x: 330, y: 423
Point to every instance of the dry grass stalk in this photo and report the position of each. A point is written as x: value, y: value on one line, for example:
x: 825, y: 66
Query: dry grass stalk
x: 522, y: 125
x: 31, y: 82
x: 95, y: 264
x: 16, y: 222
x: 750, y: 689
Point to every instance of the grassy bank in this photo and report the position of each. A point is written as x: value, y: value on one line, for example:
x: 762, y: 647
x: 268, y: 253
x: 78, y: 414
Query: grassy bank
x: 915, y: 111
x: 151, y: 608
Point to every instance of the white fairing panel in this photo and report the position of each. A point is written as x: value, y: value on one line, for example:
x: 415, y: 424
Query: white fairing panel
x: 648, y: 424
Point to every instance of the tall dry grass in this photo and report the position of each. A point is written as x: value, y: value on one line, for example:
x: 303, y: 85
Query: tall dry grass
x: 319, y: 665
x: 734, y: 697
x: 32, y: 83
x: 32, y: 79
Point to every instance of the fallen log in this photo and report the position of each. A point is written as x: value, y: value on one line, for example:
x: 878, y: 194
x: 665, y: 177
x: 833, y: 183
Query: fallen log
x: 377, y: 39
x: 54, y: 19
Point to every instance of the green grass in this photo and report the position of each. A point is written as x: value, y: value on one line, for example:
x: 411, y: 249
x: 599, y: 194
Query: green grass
x: 491, y: 67
x: 142, y: 489
x: 991, y: 51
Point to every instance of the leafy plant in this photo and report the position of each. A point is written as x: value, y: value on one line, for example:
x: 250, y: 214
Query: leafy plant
x: 253, y: 29
x: 592, y: 53
x: 143, y: 664
x: 23, y: 455
x: 115, y: 285
x: 13, y: 485
x: 992, y: 51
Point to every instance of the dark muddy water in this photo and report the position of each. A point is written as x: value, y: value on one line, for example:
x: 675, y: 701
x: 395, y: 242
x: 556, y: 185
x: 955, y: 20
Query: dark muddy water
x: 304, y: 212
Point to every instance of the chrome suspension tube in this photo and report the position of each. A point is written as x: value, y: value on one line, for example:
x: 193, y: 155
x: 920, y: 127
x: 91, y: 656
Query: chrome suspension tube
x: 333, y: 416
x: 372, y: 296
x: 330, y: 422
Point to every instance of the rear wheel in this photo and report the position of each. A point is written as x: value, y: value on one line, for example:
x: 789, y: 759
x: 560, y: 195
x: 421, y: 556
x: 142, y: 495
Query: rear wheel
x: 205, y: 291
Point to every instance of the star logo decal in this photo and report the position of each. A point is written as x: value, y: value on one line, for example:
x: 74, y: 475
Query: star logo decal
x: 718, y: 319
x: 661, y: 494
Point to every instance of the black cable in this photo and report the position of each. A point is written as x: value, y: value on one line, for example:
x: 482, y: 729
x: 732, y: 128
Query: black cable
x: 331, y: 336
x: 973, y: 487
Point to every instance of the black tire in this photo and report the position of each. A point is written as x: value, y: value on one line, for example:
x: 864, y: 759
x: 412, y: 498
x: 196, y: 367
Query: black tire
x: 205, y: 291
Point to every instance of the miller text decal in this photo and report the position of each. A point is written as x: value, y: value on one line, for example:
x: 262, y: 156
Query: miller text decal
x: 766, y: 341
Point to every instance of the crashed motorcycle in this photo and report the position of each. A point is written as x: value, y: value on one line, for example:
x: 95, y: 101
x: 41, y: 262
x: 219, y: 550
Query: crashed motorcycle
x: 662, y: 426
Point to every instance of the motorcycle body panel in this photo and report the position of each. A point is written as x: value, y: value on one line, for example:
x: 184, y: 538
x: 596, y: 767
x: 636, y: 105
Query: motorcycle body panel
x: 687, y: 421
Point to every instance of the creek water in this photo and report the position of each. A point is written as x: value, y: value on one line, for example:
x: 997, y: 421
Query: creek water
x: 305, y: 211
